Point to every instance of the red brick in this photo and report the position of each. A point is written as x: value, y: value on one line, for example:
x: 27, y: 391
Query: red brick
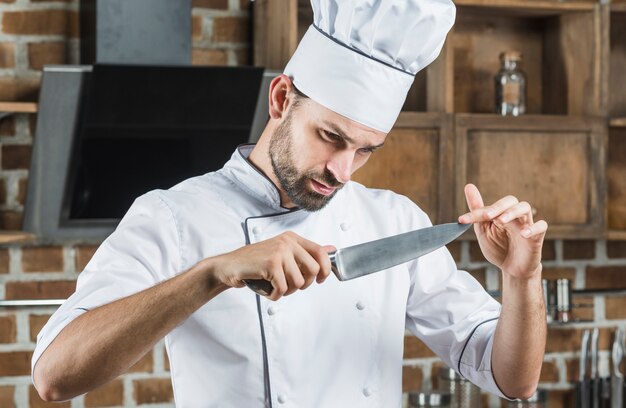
x: 196, y: 27
x: 42, y: 259
x: 36, y: 323
x: 579, y: 249
x: 603, y: 277
x: 615, y: 307
x: 35, y: 402
x: 434, y: 374
x: 549, y: 372
x: 111, y: 394
x: 211, y: 4
x: 568, y: 340
x: 230, y: 29
x: 616, y: 249
x: 11, y: 220
x: 144, y: 365
x: 15, y: 363
x: 415, y: 348
x: 22, y: 189
x: 153, y: 390
x: 245, y: 4
x: 7, y: 396
x: 39, y: 290
x: 455, y: 250
x: 41, y: 22
x: 18, y: 89
x: 84, y: 253
x: 584, y: 309
x: 59, y: 1
x: 559, y: 273
x: 209, y: 57
x: 7, y: 55
x: 4, y: 260
x: 411, y: 378
x: 7, y: 126
x: 7, y: 1
x: 8, y: 329
x: 40, y: 54
x: 480, y: 275
x: 16, y: 157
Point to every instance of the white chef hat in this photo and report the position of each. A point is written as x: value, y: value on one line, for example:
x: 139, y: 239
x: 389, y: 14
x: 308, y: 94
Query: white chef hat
x: 359, y: 58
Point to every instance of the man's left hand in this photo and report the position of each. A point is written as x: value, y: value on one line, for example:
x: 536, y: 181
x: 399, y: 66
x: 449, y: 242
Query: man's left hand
x: 507, y: 235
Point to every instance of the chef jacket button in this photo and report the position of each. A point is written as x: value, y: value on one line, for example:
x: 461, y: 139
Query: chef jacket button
x: 360, y: 305
x: 282, y: 399
x: 344, y: 226
x: 367, y: 391
x: 272, y: 310
x: 256, y: 230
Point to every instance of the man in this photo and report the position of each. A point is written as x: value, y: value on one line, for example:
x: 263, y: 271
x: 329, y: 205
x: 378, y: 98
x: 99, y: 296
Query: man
x: 173, y: 266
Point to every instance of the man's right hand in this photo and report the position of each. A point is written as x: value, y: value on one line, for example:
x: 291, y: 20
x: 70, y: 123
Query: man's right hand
x: 288, y: 261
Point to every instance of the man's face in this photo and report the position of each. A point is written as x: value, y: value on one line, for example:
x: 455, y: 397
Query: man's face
x: 314, y: 151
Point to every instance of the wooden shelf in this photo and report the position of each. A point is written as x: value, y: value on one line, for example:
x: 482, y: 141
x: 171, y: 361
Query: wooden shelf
x: 616, y: 235
x: 537, y: 6
x: 618, y: 122
x: 10, y: 237
x: 18, y: 107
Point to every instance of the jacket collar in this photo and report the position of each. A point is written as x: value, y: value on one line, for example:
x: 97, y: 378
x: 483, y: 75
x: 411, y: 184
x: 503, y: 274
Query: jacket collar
x: 251, y: 179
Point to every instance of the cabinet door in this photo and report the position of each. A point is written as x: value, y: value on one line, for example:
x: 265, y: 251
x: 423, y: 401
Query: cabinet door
x: 416, y: 161
x: 554, y: 163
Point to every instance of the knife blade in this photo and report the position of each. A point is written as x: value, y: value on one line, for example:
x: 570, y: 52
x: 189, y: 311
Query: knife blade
x: 583, y: 396
x: 364, y: 259
x: 374, y: 256
x: 617, y: 378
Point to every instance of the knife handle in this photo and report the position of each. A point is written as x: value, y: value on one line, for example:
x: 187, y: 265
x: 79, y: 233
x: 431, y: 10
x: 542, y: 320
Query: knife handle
x: 264, y: 287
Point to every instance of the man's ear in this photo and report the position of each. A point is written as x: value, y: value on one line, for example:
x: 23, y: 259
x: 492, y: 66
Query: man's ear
x: 279, y: 96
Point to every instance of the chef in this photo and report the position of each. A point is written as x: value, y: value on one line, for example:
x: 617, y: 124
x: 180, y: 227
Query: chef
x: 175, y: 267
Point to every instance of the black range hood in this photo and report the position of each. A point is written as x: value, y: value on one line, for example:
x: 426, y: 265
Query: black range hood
x: 108, y: 133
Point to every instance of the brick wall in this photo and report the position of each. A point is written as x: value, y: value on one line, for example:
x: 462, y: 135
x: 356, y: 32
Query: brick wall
x: 34, y: 33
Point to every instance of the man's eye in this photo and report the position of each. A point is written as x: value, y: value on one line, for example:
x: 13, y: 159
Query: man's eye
x: 332, y: 136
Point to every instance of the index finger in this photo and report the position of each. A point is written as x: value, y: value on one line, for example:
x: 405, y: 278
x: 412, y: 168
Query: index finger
x: 320, y: 254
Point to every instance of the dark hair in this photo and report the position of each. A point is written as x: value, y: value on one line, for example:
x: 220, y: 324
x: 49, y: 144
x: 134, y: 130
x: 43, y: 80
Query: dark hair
x: 299, y: 96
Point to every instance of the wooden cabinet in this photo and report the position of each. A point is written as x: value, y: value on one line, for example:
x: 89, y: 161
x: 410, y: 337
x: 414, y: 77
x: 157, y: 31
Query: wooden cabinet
x: 417, y: 161
x: 555, y: 163
x: 567, y: 156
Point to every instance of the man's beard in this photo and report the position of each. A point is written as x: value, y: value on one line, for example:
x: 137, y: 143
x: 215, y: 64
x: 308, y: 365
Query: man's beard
x: 294, y: 183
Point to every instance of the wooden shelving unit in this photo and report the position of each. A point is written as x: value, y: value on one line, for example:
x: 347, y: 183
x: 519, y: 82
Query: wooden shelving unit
x: 567, y: 156
x: 18, y: 107
x: 616, y: 152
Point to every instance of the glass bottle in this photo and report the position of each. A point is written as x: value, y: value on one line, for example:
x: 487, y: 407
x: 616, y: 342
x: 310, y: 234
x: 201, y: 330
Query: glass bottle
x: 510, y: 85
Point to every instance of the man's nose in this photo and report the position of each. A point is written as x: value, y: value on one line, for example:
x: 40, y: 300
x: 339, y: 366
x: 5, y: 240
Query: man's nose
x: 341, y: 165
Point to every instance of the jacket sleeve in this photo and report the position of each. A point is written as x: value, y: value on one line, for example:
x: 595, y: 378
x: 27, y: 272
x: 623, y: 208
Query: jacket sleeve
x: 453, y: 315
x: 141, y: 252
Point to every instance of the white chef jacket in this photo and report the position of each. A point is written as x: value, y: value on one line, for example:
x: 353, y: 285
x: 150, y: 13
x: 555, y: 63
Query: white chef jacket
x: 336, y: 344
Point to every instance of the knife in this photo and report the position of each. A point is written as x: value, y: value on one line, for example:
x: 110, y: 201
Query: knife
x: 364, y: 259
x: 617, y: 379
x: 595, y: 379
x: 583, y: 395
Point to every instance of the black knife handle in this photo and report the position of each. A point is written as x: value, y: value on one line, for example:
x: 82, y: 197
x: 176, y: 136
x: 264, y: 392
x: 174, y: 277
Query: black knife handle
x: 260, y: 286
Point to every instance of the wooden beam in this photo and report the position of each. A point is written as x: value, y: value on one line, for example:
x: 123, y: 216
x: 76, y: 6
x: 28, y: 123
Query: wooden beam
x: 275, y: 32
x: 18, y: 107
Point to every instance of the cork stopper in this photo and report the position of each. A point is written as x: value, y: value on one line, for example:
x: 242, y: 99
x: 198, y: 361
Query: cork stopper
x: 511, y: 56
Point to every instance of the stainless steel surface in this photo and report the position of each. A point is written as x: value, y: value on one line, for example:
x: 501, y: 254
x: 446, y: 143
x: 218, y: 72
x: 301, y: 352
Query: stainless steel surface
x: 419, y: 399
x: 583, y: 384
x: 31, y: 303
x: 563, y: 300
x: 617, y: 378
x: 374, y: 256
x: 538, y: 400
x: 595, y: 378
x: 464, y: 394
x: 364, y: 259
